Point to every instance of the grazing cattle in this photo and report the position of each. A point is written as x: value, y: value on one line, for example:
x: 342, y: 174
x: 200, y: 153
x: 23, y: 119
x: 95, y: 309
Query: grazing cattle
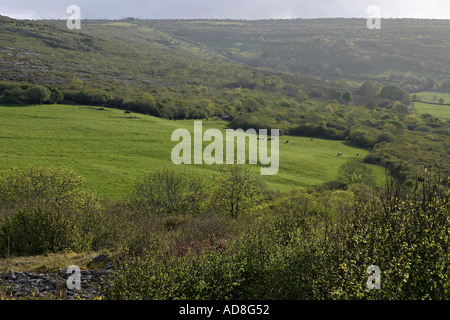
x: 127, y: 111
x: 339, y: 154
x: 357, y: 154
x: 287, y: 142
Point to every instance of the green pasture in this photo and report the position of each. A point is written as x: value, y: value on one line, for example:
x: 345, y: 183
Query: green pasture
x: 437, y: 110
x: 110, y: 148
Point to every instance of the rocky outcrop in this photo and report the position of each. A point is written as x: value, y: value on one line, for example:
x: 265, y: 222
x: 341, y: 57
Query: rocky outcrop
x: 54, y: 285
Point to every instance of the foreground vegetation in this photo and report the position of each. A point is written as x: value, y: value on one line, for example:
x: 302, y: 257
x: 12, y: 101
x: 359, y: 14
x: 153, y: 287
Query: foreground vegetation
x: 173, y: 238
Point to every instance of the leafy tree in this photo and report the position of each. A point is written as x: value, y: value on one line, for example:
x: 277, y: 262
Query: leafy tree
x: 14, y: 95
x: 361, y: 138
x: 385, y: 136
x: 395, y: 93
x: 37, y: 95
x: 237, y: 192
x: 347, y: 97
x: 56, y: 96
x: 167, y: 192
x: 369, y: 89
x: 355, y: 171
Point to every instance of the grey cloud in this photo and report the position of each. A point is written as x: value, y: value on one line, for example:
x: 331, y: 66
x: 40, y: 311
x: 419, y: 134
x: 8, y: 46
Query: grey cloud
x: 217, y: 9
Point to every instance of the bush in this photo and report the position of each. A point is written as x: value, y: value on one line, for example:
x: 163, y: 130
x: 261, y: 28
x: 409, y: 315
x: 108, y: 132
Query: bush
x: 362, y: 138
x: 423, y: 129
x: 237, y: 191
x: 406, y: 235
x: 37, y: 95
x: 45, y: 210
x: 168, y: 192
x: 385, y: 136
x: 209, y: 275
x: 355, y: 171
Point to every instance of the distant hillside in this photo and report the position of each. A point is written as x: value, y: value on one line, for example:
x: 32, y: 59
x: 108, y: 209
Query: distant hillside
x: 413, y: 53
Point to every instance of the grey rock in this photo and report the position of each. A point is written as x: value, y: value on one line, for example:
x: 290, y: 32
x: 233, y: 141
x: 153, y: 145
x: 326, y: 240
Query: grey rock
x: 11, y: 275
x: 100, y: 257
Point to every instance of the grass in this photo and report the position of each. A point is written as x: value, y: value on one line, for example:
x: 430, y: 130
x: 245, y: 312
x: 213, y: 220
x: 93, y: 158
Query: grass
x: 51, y: 262
x: 111, y: 149
x: 440, y: 111
x: 429, y: 96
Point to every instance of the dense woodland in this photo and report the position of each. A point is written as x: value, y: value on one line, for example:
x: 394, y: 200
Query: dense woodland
x: 327, y: 78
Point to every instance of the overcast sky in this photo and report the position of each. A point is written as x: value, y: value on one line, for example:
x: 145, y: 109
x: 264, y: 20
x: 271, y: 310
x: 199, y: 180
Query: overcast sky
x: 224, y: 9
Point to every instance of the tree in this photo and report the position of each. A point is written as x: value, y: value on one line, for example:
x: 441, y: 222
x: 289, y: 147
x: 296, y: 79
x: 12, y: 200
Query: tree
x: 237, y: 191
x: 167, y: 192
x: 347, y: 97
x: 355, y: 171
x: 385, y: 136
x: 395, y: 93
x: 56, y: 96
x: 37, y: 95
x: 369, y: 89
x: 362, y: 138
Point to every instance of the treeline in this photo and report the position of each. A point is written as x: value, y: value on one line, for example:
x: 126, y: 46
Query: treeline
x: 30, y: 94
x: 173, y: 237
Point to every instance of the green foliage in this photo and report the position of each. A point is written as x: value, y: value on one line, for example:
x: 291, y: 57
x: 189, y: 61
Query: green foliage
x: 210, y: 275
x: 395, y: 93
x: 355, y: 171
x: 347, y: 97
x: 362, y: 138
x: 237, y: 191
x: 45, y: 210
x: 168, y: 192
x: 406, y: 235
x: 312, y: 246
x: 37, y: 95
x: 385, y: 136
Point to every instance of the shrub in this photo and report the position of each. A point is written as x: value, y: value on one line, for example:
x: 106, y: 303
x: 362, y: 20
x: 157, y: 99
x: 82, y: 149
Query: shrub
x: 423, y: 129
x: 406, y: 235
x: 355, y: 171
x: 167, y: 192
x: 37, y: 95
x: 385, y: 136
x: 444, y: 131
x: 362, y: 138
x: 237, y: 191
x: 45, y: 210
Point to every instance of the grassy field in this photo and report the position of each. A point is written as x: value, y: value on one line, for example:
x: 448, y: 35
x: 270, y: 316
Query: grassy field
x: 440, y: 111
x: 429, y: 96
x: 111, y: 148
